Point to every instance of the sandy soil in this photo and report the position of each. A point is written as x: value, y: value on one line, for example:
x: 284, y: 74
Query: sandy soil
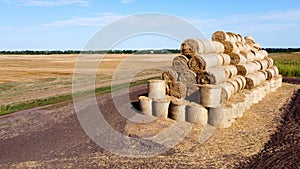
x: 51, y: 137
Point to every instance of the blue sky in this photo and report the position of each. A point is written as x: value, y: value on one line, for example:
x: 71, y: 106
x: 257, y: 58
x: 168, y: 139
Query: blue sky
x: 69, y: 24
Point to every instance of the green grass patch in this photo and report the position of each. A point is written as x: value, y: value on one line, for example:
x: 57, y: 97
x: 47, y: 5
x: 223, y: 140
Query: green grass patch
x: 11, y: 108
x: 287, y: 63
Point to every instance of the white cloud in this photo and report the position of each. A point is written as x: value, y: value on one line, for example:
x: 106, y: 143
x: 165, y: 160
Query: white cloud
x: 100, y: 20
x: 257, y: 22
x: 47, y: 3
x: 127, y: 1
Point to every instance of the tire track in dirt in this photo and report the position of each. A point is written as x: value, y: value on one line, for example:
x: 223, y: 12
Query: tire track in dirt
x: 283, y: 149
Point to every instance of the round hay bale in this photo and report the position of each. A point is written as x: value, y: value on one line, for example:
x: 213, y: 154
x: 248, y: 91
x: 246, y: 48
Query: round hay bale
x: 260, y: 54
x: 237, y: 58
x: 249, y: 56
x: 230, y: 47
x: 145, y: 105
x: 180, y: 63
x: 196, y: 114
x: 264, y: 64
x: 210, y: 46
x: 210, y: 95
x: 257, y: 46
x: 233, y: 37
x: 220, y: 116
x: 240, y: 38
x: 270, y: 60
x: 177, y: 111
x: 220, y: 36
x: 218, y: 47
x: 187, y: 77
x: 205, y: 61
x: 169, y: 76
x: 178, y: 90
x: 241, y: 46
x: 190, y: 47
x: 247, y: 68
x: 226, y: 59
x: 235, y: 84
x: 160, y: 107
x: 272, y: 72
x: 255, y: 79
x: 227, y: 90
x: 193, y: 94
x: 231, y: 69
x: 157, y: 89
x: 241, y: 81
x: 211, y: 76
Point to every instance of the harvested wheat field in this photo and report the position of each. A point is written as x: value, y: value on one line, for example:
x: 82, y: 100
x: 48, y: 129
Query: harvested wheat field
x: 51, y: 137
x: 50, y: 75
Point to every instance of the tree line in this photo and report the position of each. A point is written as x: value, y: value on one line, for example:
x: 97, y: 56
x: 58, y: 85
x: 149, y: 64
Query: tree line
x: 150, y: 51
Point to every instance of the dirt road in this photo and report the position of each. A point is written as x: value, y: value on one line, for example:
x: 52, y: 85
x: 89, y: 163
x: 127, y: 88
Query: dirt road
x: 51, y: 137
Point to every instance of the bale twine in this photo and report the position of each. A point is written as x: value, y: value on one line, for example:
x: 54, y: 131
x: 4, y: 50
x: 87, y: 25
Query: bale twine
x: 211, y: 76
x: 227, y: 90
x: 180, y: 63
x: 178, y: 90
x: 272, y: 72
x: 196, y: 114
x: 247, y: 68
x: 210, y: 95
x: 169, y: 76
x: 177, y: 111
x: 145, y: 105
x: 230, y: 47
x: 230, y: 70
x: 226, y: 59
x: 193, y: 94
x: 255, y: 79
x: 160, y: 107
x: 220, y: 116
x: 187, y: 77
x: 220, y: 36
x: 157, y: 89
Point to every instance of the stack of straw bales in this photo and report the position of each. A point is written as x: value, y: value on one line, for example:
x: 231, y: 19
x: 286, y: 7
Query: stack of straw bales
x: 213, y: 82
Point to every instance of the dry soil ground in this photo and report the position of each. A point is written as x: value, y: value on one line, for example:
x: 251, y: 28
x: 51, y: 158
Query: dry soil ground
x: 51, y: 137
